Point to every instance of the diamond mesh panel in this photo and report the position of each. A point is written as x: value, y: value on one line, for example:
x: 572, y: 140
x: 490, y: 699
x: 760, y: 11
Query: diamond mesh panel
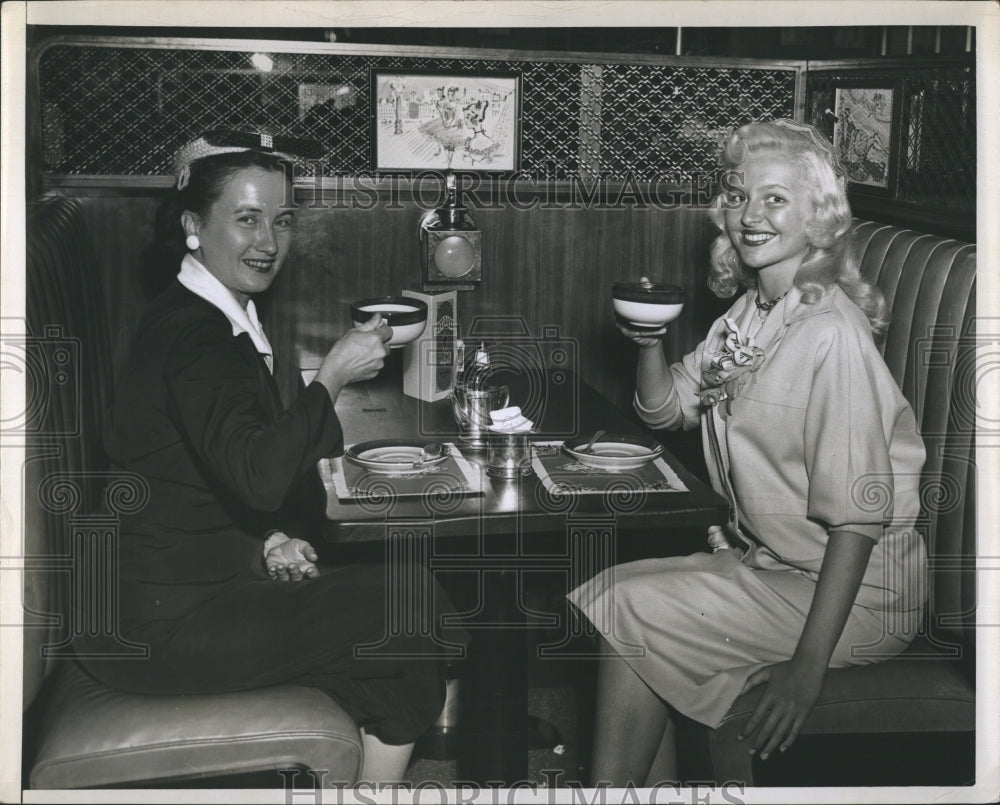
x: 686, y: 112
x: 125, y: 110
x: 550, y: 118
x: 937, y: 148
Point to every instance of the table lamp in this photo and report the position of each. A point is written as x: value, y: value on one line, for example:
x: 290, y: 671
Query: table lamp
x: 450, y: 244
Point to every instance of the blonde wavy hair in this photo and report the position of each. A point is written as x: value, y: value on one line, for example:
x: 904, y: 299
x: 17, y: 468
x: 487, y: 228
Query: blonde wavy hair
x: 830, y: 257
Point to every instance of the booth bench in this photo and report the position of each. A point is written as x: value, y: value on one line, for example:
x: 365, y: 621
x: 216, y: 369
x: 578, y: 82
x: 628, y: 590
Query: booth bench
x: 79, y: 734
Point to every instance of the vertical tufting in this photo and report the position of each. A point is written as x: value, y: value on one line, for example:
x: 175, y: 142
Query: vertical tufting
x: 68, y: 393
x: 929, y: 283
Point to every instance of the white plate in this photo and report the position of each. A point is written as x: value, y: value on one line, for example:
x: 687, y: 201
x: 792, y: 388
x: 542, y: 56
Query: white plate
x: 396, y: 456
x: 614, y: 452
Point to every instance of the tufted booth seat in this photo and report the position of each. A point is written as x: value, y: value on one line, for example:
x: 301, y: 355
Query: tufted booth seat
x: 78, y: 733
x: 930, y: 347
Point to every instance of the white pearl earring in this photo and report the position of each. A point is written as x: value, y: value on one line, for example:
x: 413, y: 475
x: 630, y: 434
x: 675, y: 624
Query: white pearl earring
x: 192, y: 242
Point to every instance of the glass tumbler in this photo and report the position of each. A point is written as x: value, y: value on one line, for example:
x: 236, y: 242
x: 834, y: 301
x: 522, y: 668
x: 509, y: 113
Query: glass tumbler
x: 508, y: 455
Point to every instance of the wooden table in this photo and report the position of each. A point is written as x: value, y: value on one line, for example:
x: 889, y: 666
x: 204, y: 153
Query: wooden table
x: 494, y: 533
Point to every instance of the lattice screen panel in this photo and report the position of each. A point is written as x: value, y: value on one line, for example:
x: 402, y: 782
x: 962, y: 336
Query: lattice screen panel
x: 674, y: 121
x: 124, y: 110
x: 937, y: 136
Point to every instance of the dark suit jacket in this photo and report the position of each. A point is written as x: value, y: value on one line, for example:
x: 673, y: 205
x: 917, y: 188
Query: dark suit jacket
x: 197, y: 414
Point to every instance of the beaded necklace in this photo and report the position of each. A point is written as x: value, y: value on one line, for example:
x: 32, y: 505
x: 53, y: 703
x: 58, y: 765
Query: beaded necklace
x: 763, y: 308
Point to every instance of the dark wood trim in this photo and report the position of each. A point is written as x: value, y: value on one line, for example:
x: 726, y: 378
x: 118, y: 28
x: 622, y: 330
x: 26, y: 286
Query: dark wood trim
x: 898, y: 213
x: 415, y: 51
x: 893, y: 63
x: 801, y: 91
x: 34, y: 173
x: 367, y: 191
x: 110, y: 184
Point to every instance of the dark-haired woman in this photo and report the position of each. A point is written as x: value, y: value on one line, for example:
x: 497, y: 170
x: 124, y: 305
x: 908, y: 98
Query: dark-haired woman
x: 807, y: 434
x: 215, y: 579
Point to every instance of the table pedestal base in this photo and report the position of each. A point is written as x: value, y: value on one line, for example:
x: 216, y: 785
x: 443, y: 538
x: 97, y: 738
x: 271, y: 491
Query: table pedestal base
x: 494, y: 690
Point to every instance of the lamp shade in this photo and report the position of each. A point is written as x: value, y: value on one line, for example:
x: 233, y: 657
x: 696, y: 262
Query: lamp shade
x: 452, y: 255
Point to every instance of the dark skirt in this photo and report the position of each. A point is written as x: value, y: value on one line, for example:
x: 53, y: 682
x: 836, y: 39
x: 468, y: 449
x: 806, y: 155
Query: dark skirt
x: 373, y: 644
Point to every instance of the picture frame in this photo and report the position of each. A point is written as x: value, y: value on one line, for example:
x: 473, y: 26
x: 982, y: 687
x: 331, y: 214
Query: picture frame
x: 445, y: 121
x: 866, y: 134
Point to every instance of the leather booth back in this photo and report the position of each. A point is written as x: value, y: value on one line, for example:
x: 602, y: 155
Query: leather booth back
x: 930, y: 348
x: 68, y: 383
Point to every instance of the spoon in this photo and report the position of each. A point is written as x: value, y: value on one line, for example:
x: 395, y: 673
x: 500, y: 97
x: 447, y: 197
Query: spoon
x: 430, y: 450
x: 587, y: 447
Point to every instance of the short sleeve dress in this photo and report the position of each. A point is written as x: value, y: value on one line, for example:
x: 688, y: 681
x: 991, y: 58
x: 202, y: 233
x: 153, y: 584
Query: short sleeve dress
x: 198, y: 417
x: 804, y: 430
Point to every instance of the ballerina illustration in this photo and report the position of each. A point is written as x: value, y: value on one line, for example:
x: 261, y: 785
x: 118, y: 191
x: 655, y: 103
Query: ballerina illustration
x: 449, y: 129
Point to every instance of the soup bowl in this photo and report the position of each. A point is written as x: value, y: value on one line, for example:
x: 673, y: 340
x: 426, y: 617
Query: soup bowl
x: 405, y: 315
x: 647, y: 305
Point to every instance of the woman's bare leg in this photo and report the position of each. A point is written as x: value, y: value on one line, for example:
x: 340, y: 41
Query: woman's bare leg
x: 383, y: 763
x: 629, y: 724
x: 664, y: 767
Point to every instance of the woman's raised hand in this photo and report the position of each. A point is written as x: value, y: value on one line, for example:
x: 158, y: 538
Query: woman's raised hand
x: 358, y: 355
x: 645, y: 338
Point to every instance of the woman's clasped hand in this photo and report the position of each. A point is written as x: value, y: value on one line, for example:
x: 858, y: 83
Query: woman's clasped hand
x: 288, y: 559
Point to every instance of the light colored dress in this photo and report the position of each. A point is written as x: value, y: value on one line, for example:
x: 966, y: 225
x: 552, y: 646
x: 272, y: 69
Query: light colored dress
x: 806, y: 431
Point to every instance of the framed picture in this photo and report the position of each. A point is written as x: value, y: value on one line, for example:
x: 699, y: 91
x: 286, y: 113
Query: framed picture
x: 866, y: 135
x: 443, y: 121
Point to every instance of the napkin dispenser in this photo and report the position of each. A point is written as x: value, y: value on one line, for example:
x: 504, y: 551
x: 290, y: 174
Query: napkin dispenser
x: 429, y: 361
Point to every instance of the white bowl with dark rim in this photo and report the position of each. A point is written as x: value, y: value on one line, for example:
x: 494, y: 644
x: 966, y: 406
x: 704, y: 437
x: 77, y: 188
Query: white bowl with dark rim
x: 406, y: 316
x: 614, y: 451
x: 647, y: 305
x: 396, y: 456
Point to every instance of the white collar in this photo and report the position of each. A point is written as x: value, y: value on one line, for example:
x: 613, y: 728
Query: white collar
x: 199, y: 280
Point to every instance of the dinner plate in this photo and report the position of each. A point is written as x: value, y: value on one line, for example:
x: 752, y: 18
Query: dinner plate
x: 396, y: 456
x: 614, y: 451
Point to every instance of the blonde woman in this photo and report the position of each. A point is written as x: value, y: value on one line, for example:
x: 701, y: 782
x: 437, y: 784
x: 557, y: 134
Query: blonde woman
x: 808, y: 435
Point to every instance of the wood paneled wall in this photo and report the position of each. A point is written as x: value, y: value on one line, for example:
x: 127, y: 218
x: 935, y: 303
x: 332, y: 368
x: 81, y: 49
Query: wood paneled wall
x: 548, y: 267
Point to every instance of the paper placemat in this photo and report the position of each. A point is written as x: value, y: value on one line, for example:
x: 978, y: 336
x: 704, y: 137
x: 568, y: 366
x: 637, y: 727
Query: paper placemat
x: 452, y: 476
x: 561, y: 474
